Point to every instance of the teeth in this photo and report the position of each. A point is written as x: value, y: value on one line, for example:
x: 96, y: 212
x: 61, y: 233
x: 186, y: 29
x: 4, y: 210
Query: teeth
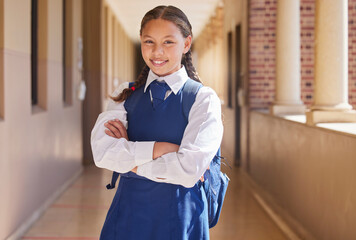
x: 158, y: 62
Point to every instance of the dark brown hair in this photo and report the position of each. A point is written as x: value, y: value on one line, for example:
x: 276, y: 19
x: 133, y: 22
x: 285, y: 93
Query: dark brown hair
x: 176, y: 16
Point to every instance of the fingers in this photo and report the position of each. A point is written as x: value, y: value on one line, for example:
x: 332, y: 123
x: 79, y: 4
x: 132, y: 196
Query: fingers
x: 108, y: 132
x: 112, y: 130
x: 116, y: 129
x: 121, y: 128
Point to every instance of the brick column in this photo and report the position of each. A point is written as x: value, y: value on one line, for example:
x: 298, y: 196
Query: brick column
x: 331, y: 64
x: 287, y: 100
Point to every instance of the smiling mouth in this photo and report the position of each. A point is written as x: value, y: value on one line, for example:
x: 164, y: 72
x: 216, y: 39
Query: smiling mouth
x: 158, y: 63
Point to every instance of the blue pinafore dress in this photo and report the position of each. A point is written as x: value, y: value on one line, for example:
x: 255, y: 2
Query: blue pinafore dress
x: 146, y: 210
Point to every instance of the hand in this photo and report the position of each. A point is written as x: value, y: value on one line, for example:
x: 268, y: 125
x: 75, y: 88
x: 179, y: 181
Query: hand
x: 202, y: 179
x: 116, y: 129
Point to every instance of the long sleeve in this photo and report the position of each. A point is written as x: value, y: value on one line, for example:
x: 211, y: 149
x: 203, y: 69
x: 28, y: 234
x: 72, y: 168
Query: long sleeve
x: 115, y: 154
x: 201, y: 140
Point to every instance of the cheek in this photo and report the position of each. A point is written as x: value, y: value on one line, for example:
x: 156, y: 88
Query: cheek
x: 174, y: 51
x: 144, y: 52
x: 178, y: 52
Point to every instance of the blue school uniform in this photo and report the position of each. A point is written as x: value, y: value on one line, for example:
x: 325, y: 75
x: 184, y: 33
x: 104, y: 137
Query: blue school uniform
x: 146, y: 210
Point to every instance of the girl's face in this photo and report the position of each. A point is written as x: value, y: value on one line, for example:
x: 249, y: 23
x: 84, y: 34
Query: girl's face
x: 162, y: 46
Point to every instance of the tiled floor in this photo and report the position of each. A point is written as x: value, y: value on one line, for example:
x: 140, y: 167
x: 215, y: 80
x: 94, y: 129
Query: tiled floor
x: 80, y: 212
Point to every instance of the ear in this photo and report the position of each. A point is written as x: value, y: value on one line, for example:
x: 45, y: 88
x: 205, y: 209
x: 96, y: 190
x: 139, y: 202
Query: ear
x: 187, y: 43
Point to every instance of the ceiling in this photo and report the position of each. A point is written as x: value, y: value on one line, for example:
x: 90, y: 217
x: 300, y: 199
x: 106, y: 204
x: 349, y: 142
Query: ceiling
x: 130, y: 12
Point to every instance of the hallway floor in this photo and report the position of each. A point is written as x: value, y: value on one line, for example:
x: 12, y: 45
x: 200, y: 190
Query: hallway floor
x: 80, y: 212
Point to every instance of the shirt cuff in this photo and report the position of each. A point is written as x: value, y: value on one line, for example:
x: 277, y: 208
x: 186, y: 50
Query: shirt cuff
x: 143, y: 152
x: 145, y: 171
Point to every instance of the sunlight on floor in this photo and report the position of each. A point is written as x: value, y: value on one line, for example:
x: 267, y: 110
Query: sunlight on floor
x: 80, y: 212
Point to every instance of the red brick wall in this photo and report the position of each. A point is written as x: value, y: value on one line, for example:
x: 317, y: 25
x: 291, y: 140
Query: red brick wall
x: 352, y: 52
x: 307, y: 20
x: 262, y: 45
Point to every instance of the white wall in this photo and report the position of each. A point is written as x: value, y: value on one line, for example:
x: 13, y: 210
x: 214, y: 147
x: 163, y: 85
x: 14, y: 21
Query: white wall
x: 39, y: 150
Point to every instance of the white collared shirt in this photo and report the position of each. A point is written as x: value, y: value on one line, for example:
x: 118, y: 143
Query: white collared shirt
x: 201, y: 140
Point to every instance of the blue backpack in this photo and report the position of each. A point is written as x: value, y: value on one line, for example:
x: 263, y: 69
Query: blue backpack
x: 215, y: 182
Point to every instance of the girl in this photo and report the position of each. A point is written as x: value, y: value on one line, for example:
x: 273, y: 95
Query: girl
x: 160, y: 133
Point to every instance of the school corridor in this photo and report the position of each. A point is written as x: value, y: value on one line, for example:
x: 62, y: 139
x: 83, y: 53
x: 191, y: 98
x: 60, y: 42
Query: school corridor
x: 285, y: 73
x: 80, y: 211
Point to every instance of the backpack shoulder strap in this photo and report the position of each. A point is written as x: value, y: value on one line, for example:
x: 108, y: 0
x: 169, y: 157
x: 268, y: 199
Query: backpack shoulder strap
x: 215, y: 183
x: 190, y: 91
x: 115, y: 176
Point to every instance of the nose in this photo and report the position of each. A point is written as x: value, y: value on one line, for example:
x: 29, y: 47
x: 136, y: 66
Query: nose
x: 157, y: 50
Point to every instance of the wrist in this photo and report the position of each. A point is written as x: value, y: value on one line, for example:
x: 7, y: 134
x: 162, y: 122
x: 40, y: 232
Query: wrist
x: 157, y: 150
x: 161, y: 148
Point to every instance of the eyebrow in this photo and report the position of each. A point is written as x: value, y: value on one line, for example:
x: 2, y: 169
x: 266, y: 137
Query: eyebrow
x: 168, y: 36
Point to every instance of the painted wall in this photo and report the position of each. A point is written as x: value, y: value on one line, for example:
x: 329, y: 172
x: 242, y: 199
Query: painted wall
x: 211, y: 53
x: 308, y: 171
x: 109, y: 60
x: 236, y: 13
x: 119, y: 53
x: 40, y: 148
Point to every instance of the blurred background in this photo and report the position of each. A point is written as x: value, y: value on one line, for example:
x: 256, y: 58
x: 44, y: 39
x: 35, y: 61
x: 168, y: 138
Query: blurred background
x: 285, y: 72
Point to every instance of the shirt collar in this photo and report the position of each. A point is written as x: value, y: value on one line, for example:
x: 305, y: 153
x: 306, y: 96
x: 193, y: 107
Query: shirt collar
x: 175, y: 80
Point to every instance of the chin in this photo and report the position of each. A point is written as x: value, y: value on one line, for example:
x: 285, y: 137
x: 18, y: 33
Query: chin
x: 159, y: 72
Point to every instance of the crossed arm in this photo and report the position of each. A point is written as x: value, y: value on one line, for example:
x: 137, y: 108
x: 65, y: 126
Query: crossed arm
x: 157, y: 161
x: 116, y: 129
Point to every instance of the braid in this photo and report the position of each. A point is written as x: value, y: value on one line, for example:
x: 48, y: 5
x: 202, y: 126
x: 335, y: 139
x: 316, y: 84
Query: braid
x: 141, y: 80
x: 188, y: 63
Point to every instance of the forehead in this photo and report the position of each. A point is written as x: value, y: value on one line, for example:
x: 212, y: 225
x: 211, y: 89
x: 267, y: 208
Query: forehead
x: 161, y: 28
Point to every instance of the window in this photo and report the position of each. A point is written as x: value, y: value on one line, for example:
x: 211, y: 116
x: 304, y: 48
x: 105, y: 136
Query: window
x: 105, y: 52
x: 109, y: 56
x: 67, y: 52
x: 1, y: 59
x: 34, y: 52
x: 39, y: 54
x: 114, y: 53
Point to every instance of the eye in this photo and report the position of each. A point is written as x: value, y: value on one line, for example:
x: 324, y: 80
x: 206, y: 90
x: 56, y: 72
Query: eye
x: 168, y: 42
x: 148, y: 41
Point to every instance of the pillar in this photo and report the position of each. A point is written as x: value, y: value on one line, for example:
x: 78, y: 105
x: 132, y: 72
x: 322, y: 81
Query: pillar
x: 331, y: 64
x: 287, y: 100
